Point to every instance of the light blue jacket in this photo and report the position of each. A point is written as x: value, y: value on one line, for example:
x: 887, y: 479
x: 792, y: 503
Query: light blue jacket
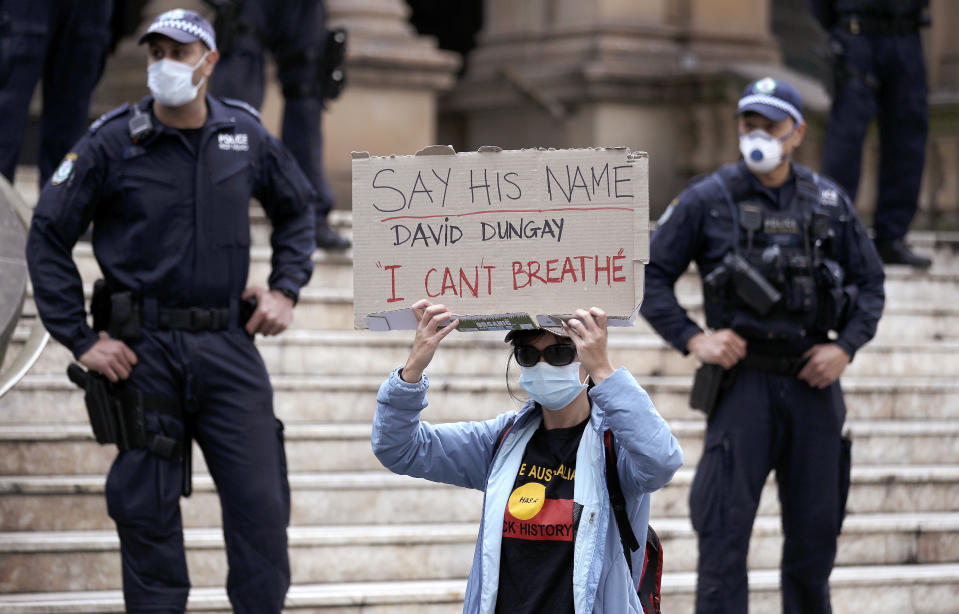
x: 462, y: 454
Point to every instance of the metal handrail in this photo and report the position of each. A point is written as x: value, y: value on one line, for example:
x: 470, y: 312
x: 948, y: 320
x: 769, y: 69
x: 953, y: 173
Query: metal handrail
x: 38, y: 337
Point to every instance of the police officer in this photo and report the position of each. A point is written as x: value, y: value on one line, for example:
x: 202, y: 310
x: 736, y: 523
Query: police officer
x: 64, y: 42
x: 793, y: 287
x: 879, y: 68
x: 167, y: 184
x: 295, y: 33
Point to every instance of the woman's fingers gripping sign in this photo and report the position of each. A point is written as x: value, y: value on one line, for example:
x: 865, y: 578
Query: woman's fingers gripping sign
x: 433, y: 323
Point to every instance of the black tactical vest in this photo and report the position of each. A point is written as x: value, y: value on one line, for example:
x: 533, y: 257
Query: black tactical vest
x: 778, y: 281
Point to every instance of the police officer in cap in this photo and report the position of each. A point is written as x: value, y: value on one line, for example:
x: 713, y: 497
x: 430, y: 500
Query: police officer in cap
x: 879, y: 68
x: 167, y: 184
x: 793, y: 288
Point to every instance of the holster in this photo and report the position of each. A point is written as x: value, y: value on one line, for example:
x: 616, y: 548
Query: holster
x: 334, y: 65
x: 707, y: 384
x: 117, y: 414
x: 117, y: 313
x: 124, y: 317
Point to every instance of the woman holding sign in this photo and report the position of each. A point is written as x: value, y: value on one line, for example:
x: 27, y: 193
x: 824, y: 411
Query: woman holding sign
x: 548, y: 540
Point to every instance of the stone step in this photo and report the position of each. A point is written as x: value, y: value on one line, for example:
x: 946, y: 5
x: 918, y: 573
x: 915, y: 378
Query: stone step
x: 330, y: 269
x: 927, y: 589
x: 306, y: 352
x: 70, y: 448
x: 335, y: 270
x: 422, y: 597
x: 89, y: 560
x: 75, y: 502
x: 261, y: 230
x: 52, y: 399
x: 907, y: 315
x: 907, y: 318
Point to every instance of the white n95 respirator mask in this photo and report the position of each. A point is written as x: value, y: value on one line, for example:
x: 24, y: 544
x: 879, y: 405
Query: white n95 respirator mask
x: 171, y: 82
x: 761, y: 151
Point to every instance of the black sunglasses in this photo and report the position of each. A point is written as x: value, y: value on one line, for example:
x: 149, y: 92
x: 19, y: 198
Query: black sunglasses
x: 558, y: 354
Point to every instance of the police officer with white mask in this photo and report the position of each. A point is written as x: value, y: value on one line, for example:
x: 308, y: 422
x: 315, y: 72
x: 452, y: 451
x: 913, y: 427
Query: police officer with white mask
x: 167, y: 184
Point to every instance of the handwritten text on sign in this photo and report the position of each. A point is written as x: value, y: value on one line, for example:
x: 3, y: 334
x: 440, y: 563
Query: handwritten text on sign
x: 534, y: 231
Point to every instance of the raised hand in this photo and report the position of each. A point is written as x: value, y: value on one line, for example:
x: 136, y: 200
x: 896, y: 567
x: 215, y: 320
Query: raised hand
x: 588, y: 331
x: 432, y: 325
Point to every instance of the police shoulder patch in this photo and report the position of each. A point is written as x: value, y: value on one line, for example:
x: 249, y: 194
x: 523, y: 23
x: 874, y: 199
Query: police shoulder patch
x: 239, y: 104
x: 65, y: 169
x: 117, y: 112
x: 830, y: 197
x: 668, y: 213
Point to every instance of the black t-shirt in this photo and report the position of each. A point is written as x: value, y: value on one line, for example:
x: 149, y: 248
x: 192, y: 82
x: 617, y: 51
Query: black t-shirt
x: 539, y: 527
x: 192, y: 136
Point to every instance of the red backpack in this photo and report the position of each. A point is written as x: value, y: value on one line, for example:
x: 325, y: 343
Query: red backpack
x: 650, y: 581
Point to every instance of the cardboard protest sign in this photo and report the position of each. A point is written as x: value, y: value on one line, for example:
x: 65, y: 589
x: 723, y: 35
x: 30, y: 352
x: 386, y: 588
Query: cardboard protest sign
x: 505, y: 239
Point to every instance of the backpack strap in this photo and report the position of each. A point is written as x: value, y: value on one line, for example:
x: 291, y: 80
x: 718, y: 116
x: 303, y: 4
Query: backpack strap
x: 652, y: 577
x: 617, y: 500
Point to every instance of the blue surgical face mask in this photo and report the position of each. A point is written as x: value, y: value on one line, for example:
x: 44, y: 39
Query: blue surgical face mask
x: 552, y: 387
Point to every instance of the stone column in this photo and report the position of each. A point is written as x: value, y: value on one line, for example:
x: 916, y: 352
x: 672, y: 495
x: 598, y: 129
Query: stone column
x: 393, y: 79
x: 575, y: 73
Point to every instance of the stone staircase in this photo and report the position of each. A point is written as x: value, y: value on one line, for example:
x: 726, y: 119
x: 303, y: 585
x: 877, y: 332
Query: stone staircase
x: 365, y: 540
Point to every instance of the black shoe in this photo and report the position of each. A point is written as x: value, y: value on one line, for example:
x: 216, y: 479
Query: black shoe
x: 326, y: 238
x: 897, y: 252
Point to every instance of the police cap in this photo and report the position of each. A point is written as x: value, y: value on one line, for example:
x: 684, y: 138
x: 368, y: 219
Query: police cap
x: 183, y: 26
x: 773, y: 99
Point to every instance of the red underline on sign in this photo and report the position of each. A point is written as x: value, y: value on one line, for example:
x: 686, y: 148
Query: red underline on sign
x: 427, y: 217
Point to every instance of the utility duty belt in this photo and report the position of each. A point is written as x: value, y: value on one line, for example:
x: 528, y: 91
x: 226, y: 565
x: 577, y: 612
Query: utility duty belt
x: 789, y: 366
x: 123, y: 314
x: 711, y: 380
x: 882, y: 25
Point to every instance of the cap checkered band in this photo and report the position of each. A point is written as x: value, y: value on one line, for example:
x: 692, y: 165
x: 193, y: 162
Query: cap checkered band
x: 187, y: 26
x: 771, y: 101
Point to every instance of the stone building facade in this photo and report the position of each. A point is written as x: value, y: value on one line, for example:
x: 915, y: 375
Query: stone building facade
x: 658, y: 75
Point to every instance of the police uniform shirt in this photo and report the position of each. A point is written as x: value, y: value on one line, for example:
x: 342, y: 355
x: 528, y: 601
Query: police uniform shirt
x: 170, y: 218
x: 539, y: 526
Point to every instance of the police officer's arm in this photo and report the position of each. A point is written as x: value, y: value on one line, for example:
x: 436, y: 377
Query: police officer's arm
x: 67, y: 205
x: 858, y: 257
x: 674, y: 244
x: 288, y: 199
